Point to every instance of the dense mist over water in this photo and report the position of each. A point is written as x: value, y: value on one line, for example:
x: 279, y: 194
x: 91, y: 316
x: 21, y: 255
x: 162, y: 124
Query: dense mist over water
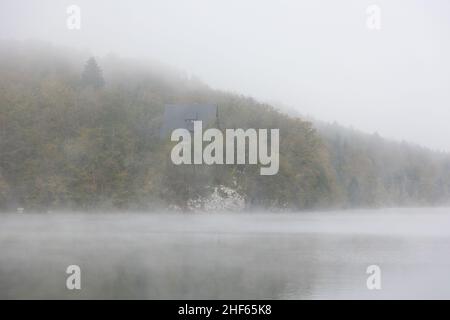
x: 227, y: 256
x: 92, y: 175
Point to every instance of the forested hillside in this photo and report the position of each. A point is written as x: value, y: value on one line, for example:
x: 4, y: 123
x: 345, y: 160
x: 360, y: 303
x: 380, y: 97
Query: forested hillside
x: 71, y: 140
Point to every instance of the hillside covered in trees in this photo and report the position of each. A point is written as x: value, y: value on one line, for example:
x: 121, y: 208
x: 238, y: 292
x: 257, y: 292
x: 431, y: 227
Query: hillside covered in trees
x: 85, y: 136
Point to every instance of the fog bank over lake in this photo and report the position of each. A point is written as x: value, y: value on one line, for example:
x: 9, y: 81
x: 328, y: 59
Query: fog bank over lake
x: 227, y: 256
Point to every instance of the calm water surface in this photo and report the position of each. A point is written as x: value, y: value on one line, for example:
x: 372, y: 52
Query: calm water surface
x: 227, y: 256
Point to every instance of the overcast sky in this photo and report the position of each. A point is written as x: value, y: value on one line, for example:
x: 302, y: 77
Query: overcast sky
x: 316, y: 56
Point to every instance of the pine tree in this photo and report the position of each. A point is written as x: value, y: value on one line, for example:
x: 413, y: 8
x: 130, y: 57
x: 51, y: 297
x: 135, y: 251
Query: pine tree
x: 92, y: 75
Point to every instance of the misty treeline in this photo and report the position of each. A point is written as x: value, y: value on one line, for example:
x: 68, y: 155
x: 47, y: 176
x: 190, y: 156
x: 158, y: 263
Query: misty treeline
x: 86, y: 135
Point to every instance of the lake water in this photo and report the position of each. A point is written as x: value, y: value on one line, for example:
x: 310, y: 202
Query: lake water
x: 227, y: 256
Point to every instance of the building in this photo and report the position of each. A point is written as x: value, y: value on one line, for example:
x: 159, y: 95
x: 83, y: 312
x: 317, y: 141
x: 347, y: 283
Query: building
x: 178, y: 116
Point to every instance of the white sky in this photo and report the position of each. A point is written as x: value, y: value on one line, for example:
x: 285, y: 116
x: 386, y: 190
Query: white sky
x: 316, y: 56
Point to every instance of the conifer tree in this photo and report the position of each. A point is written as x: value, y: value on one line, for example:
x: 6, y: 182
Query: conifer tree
x: 92, y: 75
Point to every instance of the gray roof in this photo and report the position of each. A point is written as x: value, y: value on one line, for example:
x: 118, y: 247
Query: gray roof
x: 181, y: 116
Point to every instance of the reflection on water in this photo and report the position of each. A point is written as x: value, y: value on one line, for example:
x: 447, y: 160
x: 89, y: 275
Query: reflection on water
x: 227, y: 256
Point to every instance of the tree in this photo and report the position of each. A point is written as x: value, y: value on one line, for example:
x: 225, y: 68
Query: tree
x: 92, y: 75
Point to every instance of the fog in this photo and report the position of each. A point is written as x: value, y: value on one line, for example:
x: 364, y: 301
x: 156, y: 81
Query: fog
x: 242, y: 256
x: 315, y: 57
x: 89, y: 157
